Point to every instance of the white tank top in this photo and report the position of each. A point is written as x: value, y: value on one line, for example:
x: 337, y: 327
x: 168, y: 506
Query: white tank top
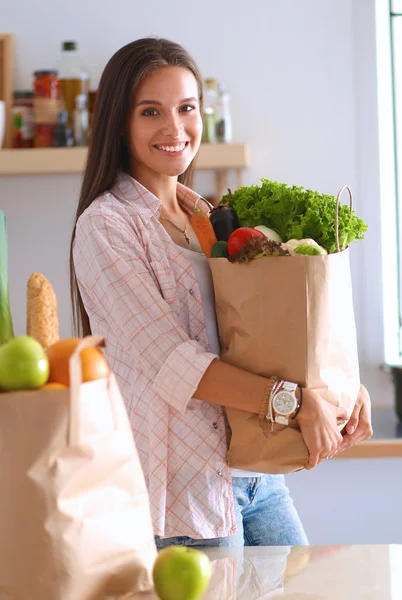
x: 204, y: 278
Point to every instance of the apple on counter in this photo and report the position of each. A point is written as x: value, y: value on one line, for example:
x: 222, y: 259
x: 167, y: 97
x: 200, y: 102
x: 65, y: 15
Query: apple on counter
x: 181, y: 573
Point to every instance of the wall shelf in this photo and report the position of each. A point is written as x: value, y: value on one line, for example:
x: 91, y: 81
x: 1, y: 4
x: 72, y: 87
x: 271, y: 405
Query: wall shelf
x: 221, y: 158
x: 43, y: 161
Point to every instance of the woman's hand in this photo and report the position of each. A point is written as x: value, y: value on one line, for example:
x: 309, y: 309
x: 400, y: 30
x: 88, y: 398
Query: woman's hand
x: 317, y: 420
x: 358, y: 427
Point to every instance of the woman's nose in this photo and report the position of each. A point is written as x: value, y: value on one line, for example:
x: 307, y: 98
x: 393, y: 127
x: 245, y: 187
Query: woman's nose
x: 172, y: 126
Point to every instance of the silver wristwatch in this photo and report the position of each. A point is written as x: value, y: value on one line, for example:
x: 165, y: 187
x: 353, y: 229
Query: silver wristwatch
x: 285, y: 403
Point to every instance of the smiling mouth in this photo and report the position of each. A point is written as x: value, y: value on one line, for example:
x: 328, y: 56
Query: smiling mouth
x: 172, y: 148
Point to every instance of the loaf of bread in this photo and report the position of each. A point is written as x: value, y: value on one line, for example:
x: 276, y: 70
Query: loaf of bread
x: 42, y: 314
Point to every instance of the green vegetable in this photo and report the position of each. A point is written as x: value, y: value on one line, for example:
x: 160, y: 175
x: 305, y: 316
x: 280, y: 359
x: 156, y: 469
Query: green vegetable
x: 294, y: 212
x: 6, y: 324
x: 258, y: 248
x: 310, y: 249
x: 220, y: 250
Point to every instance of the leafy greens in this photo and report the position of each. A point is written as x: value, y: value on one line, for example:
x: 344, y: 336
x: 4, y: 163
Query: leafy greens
x: 294, y: 212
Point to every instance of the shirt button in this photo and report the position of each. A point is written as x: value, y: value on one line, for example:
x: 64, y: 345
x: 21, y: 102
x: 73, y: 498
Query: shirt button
x: 197, y: 338
x: 215, y: 425
x: 219, y: 473
x: 191, y: 291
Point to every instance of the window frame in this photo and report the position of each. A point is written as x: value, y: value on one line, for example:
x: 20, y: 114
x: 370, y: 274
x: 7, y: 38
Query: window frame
x: 389, y: 184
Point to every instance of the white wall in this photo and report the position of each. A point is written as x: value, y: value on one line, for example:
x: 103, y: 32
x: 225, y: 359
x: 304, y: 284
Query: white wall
x: 302, y: 77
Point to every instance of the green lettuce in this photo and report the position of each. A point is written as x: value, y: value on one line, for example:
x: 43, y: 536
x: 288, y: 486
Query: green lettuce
x: 294, y: 212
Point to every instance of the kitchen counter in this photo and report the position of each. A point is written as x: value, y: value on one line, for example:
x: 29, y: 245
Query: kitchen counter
x: 304, y: 573
x: 386, y: 441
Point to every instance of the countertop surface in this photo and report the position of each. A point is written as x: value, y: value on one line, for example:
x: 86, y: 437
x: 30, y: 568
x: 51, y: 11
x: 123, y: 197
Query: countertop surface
x: 304, y: 573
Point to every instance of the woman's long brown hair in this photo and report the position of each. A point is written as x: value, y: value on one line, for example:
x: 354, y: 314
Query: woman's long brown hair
x: 107, y: 152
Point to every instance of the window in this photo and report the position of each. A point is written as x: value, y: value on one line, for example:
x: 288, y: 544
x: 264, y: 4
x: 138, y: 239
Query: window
x: 389, y: 84
x: 396, y: 51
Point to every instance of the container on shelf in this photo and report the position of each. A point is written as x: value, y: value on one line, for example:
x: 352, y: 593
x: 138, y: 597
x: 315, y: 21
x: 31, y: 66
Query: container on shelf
x: 47, y: 105
x: 81, y: 120
x: 44, y: 135
x: 73, y: 76
x: 63, y: 134
x: 210, y: 100
x: 223, y: 118
x: 23, y: 119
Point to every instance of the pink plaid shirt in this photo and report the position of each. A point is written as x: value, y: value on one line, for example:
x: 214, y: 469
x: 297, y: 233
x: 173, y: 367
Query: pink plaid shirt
x: 140, y: 292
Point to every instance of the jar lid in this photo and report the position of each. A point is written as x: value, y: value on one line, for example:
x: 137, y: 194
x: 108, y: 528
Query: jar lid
x: 211, y: 82
x: 69, y: 46
x: 45, y: 72
x: 20, y: 94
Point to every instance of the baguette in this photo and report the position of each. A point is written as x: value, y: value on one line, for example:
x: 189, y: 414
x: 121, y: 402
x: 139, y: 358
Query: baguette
x: 42, y: 314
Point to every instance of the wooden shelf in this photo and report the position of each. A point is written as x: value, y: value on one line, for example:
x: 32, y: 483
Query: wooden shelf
x: 373, y: 449
x: 44, y: 161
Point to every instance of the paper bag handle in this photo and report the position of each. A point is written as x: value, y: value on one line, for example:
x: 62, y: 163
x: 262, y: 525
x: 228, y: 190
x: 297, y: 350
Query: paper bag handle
x: 210, y: 206
x: 343, y: 188
x: 75, y: 371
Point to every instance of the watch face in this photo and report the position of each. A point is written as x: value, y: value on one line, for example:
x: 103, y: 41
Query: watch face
x: 284, y: 403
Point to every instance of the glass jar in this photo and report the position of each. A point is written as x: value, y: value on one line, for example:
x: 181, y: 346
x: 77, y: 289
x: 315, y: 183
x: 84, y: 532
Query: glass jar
x: 223, y: 124
x: 22, y: 119
x: 47, y: 106
x: 210, y: 100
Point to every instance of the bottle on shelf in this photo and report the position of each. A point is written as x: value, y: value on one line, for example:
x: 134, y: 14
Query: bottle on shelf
x: 223, y: 119
x: 63, y: 134
x: 210, y: 100
x: 81, y: 121
x: 47, y: 105
x: 73, y: 77
x: 23, y: 119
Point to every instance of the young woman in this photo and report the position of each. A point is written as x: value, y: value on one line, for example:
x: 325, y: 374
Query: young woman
x: 139, y: 278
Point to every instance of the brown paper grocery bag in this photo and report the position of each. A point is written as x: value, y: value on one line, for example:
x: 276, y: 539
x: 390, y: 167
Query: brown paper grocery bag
x: 75, y: 521
x: 290, y: 316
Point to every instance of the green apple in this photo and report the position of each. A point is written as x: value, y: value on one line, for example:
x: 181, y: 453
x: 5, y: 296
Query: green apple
x: 23, y: 364
x: 181, y: 573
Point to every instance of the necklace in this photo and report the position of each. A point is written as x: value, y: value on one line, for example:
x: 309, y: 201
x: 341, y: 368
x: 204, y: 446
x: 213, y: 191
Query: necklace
x: 183, y: 231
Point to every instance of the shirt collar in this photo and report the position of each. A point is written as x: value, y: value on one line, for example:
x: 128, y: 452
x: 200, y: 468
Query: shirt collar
x: 129, y: 189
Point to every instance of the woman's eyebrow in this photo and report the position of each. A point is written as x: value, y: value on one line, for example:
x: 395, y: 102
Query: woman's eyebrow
x: 157, y: 103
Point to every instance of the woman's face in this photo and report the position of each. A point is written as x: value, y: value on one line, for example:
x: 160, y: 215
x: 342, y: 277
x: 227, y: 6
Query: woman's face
x: 165, y: 126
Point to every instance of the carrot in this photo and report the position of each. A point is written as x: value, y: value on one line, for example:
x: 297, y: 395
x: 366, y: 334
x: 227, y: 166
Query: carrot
x: 203, y: 230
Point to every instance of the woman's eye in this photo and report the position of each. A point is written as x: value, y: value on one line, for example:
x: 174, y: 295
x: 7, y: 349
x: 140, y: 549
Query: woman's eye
x: 187, y: 108
x: 150, y: 112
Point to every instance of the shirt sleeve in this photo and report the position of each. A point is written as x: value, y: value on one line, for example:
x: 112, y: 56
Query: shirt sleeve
x: 113, y: 273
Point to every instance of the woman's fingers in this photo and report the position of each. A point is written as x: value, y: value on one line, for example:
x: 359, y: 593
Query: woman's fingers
x: 322, y: 439
x: 341, y: 413
x: 318, y: 425
x: 321, y: 444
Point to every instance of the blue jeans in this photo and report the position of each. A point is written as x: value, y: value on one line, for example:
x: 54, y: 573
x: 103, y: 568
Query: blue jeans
x: 265, y: 516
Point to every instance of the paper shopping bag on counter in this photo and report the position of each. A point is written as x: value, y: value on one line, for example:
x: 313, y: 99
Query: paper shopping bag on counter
x: 74, y: 511
x: 290, y: 316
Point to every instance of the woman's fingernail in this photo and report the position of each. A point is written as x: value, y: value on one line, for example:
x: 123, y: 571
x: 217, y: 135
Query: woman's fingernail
x: 350, y: 429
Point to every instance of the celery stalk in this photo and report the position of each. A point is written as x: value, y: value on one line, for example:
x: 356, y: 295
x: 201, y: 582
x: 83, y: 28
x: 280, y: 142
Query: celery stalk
x: 6, y: 323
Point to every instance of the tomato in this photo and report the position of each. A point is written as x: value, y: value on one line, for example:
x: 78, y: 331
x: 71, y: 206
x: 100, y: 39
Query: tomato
x: 239, y: 237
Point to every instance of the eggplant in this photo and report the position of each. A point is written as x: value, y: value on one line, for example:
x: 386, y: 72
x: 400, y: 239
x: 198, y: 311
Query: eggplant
x: 224, y: 221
